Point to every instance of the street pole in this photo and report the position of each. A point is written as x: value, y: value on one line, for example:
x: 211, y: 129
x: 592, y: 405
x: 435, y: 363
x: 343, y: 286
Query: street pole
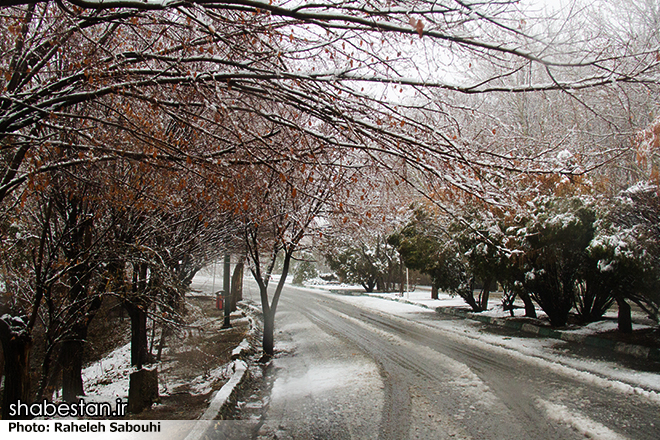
x: 213, y: 285
x: 407, y: 285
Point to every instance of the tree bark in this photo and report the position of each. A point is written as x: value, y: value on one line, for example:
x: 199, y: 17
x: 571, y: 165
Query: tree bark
x: 530, y: 310
x: 71, y: 360
x: 369, y: 285
x: 16, y: 351
x: 226, y: 290
x: 485, y: 292
x: 161, y: 344
x: 237, y: 285
x: 468, y: 296
x: 472, y: 302
x: 139, y: 343
x: 624, y: 317
x: 270, y: 309
x: 50, y: 379
x: 142, y: 389
x: 269, y: 333
x: 434, y: 291
x: 72, y: 353
x: 137, y: 311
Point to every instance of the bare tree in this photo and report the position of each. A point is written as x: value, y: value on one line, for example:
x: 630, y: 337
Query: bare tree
x: 339, y: 64
x: 277, y: 208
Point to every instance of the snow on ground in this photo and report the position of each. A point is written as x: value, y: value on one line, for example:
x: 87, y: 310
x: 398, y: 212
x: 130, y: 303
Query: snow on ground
x: 421, y: 296
x: 107, y: 379
x: 206, y: 282
x: 582, y: 424
x: 539, y: 350
x: 460, y: 375
x: 324, y: 370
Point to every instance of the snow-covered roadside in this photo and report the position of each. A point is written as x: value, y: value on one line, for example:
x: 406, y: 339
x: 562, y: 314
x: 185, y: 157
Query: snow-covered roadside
x: 108, y: 379
x: 589, y: 334
x: 537, y: 349
x: 422, y: 297
x: 219, y: 400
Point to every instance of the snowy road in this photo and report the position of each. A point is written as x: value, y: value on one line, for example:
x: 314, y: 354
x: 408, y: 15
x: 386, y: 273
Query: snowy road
x: 352, y: 368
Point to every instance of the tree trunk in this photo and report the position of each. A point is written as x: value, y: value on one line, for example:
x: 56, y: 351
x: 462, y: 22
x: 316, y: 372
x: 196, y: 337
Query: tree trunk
x: 141, y: 392
x: 16, y: 351
x: 226, y: 291
x: 434, y: 291
x: 472, y: 302
x: 142, y: 389
x: 468, y: 296
x: 624, y: 316
x: 71, y: 360
x: 44, y: 380
x: 530, y: 310
x: 269, y: 334
x: 2, y: 364
x: 369, y: 285
x: 270, y: 309
x: 485, y: 292
x: 226, y: 309
x: 139, y: 342
x: 72, y: 352
x: 237, y: 285
x: 161, y: 344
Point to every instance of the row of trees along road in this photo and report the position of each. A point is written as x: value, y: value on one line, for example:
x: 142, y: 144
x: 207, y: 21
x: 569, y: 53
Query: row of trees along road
x: 141, y: 139
x: 562, y: 252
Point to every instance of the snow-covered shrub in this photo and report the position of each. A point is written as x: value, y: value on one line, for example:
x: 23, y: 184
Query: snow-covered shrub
x: 368, y: 261
x: 619, y: 265
x: 627, y: 247
x: 557, y: 236
x: 424, y: 246
x: 305, y: 270
x: 479, y: 234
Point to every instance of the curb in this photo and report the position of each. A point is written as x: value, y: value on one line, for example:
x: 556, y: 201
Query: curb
x: 398, y: 299
x: 638, y: 351
x: 225, y: 396
x: 220, y: 400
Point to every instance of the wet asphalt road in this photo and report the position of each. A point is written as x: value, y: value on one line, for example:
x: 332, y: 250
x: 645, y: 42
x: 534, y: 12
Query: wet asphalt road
x: 347, y: 372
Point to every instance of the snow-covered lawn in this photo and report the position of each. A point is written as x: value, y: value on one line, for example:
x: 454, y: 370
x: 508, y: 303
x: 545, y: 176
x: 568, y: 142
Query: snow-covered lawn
x: 108, y: 378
